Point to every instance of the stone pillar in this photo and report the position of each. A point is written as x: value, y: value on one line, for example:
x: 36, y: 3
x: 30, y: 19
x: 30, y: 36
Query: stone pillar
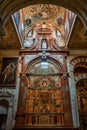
x: 73, y: 97
x: 16, y: 91
x: 9, y: 123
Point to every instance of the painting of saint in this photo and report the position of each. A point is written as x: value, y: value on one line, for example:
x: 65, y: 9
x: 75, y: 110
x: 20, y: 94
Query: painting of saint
x: 8, y: 74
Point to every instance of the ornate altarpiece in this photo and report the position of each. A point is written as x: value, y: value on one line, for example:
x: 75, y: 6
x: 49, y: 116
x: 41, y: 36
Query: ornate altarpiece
x: 44, y: 99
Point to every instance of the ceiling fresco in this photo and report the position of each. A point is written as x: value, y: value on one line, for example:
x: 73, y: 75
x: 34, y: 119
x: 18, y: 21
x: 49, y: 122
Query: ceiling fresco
x: 77, y: 39
x: 31, y: 19
x: 10, y: 40
x: 43, y: 11
x: 53, y: 19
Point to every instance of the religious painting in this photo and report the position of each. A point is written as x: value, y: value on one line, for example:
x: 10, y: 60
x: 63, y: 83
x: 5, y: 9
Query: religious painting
x: 8, y: 72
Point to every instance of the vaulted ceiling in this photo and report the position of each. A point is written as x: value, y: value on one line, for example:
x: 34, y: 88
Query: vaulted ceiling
x: 9, y: 36
x: 10, y: 40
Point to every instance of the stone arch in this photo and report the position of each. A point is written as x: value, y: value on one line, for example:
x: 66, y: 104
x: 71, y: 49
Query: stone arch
x: 78, y: 60
x: 39, y: 59
x: 81, y: 91
x: 8, y: 8
x: 82, y: 62
x: 79, y: 77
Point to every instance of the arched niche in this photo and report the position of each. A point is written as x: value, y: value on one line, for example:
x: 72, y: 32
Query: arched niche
x: 81, y: 90
x: 40, y: 68
x: 4, y: 104
x: 39, y: 64
x: 79, y: 65
x: 44, y: 44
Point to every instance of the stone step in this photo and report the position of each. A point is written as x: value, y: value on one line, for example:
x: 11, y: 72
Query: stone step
x: 44, y: 128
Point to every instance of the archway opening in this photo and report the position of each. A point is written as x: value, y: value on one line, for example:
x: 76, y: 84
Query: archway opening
x: 81, y: 90
x: 3, y: 113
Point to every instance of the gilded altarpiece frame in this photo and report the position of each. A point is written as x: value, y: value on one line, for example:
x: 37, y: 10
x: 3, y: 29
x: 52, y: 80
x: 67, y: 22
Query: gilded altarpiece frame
x: 45, y: 101
x: 44, y: 97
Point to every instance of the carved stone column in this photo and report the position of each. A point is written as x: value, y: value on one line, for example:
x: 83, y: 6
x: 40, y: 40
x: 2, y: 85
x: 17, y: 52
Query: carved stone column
x: 73, y: 96
x: 9, y: 122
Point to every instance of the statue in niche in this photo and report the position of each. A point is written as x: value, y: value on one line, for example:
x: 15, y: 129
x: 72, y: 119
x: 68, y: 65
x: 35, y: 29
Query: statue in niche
x: 44, y: 84
x: 44, y: 44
